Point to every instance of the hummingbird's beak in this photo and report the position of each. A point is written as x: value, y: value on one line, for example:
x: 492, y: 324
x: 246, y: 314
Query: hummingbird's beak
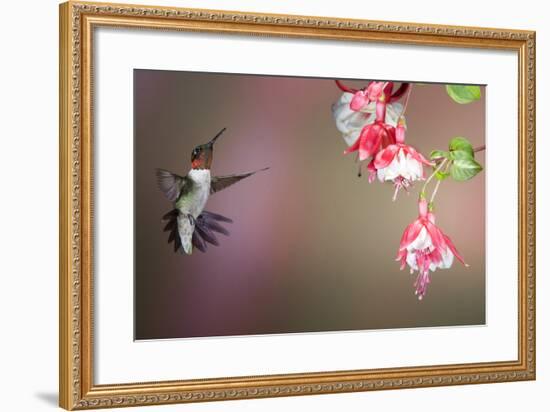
x: 211, y: 142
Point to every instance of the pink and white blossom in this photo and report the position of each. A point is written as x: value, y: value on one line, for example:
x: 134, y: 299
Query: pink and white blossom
x: 374, y: 136
x: 399, y: 163
x: 373, y: 93
x: 350, y: 122
x: 424, y: 248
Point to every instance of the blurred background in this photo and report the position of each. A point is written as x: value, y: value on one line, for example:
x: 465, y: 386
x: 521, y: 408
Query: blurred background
x: 312, y: 247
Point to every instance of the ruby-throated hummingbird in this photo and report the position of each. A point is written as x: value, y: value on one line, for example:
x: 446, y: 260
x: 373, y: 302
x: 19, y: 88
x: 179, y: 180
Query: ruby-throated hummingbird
x: 188, y: 223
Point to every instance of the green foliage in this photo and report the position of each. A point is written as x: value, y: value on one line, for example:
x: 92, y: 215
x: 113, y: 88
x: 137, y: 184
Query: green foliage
x: 461, y: 164
x: 464, y: 169
x: 463, y: 94
x: 461, y: 144
x: 464, y: 165
x: 438, y: 155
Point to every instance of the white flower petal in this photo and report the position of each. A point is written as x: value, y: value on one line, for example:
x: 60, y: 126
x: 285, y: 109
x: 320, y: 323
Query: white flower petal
x: 422, y: 241
x: 403, y: 165
x: 446, y: 262
x: 351, y: 137
x: 414, y: 167
x: 393, y: 110
x: 347, y: 119
x: 411, y: 260
x: 447, y: 259
x: 393, y: 170
x: 350, y: 123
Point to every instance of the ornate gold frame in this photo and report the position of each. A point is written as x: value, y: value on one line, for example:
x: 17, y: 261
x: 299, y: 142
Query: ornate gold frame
x: 77, y: 22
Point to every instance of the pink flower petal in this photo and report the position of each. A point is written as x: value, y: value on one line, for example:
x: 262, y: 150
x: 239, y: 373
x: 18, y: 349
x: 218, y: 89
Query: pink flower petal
x: 389, y: 135
x: 410, y: 234
x: 402, y: 258
x: 418, y: 156
x: 359, y: 100
x: 388, y: 89
x: 370, y: 141
x: 385, y: 156
x: 451, y: 246
x: 364, y: 153
x: 437, y: 236
x: 354, y: 147
x: 372, y: 171
x: 436, y: 256
x: 375, y: 90
x: 403, y: 242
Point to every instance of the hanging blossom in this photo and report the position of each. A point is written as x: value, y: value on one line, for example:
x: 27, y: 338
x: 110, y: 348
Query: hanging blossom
x: 378, y: 134
x: 351, y: 122
x: 399, y: 162
x: 373, y: 93
x: 424, y: 248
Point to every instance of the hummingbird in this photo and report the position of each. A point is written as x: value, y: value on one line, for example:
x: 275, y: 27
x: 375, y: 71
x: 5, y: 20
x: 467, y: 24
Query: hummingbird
x: 189, y: 225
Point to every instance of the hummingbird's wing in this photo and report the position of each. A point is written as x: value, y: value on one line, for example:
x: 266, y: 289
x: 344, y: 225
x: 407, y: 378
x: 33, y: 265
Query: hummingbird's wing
x: 221, y: 182
x: 171, y: 184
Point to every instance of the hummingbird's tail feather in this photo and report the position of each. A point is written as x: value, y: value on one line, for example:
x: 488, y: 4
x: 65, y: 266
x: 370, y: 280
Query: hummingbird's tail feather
x: 172, y: 214
x: 206, y: 234
x: 214, y: 216
x: 172, y: 228
x: 198, y: 242
x: 194, y: 234
x: 216, y: 227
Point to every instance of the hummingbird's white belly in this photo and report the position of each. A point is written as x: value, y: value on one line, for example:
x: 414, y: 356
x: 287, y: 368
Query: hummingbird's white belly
x: 201, y: 190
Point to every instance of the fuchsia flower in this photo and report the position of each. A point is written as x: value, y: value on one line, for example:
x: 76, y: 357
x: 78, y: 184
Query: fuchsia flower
x: 424, y: 247
x: 399, y: 163
x: 374, y: 136
x: 350, y: 122
x: 373, y: 93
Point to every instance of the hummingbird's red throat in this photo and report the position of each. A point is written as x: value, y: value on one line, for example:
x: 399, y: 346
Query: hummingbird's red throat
x: 203, y: 161
x: 197, y: 164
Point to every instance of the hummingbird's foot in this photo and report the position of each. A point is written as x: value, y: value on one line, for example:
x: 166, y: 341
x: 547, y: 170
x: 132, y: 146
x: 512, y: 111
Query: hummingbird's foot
x: 192, y: 220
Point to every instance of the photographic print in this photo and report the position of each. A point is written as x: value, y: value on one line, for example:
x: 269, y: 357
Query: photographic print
x: 334, y: 227
x: 274, y: 205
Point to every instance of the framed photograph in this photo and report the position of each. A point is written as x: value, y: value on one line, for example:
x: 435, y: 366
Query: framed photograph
x: 257, y: 205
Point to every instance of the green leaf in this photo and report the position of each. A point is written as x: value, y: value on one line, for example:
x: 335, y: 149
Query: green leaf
x: 461, y: 154
x: 464, y: 169
x: 437, y: 154
x: 463, y: 94
x: 461, y: 144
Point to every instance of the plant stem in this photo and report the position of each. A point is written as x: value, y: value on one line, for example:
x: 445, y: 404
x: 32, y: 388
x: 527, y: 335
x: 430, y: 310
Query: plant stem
x: 429, y: 179
x: 432, y: 198
x: 435, y: 191
x: 399, y: 92
x: 406, y: 102
x: 345, y: 88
